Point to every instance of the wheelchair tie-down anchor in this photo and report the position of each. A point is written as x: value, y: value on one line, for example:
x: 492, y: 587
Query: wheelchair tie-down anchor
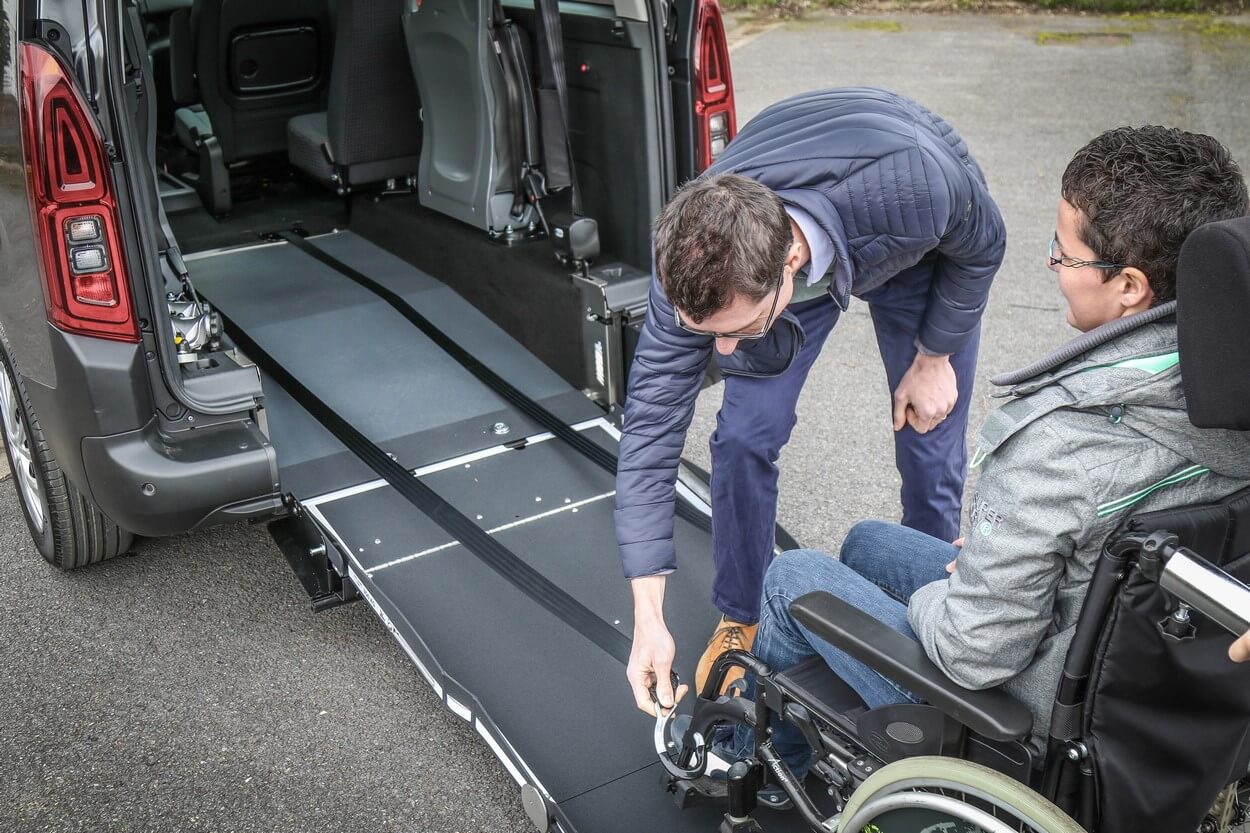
x: 900, y: 768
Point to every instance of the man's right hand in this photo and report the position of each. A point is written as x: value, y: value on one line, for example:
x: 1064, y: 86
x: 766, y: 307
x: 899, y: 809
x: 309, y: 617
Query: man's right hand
x: 651, y: 659
x: 1239, y: 651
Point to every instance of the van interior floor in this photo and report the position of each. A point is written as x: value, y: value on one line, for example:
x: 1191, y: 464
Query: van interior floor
x: 521, y: 287
x: 268, y: 200
x: 550, y: 702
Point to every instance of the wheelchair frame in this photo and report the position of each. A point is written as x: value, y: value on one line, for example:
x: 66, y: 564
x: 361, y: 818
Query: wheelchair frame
x: 850, y: 745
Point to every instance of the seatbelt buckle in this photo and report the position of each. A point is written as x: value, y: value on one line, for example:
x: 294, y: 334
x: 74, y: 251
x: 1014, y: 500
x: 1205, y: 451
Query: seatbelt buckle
x: 535, y: 185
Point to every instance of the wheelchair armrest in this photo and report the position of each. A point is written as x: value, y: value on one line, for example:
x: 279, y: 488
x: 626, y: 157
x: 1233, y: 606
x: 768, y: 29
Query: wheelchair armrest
x: 990, y: 713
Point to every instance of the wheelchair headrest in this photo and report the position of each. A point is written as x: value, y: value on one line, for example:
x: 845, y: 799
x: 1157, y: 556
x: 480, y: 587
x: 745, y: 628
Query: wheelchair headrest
x: 1213, y: 323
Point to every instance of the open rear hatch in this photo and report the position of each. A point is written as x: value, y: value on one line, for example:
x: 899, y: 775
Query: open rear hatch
x: 529, y: 648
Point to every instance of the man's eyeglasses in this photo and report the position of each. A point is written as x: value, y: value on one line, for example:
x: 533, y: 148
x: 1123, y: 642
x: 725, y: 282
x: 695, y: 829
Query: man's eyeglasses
x: 1074, y: 263
x: 763, y: 331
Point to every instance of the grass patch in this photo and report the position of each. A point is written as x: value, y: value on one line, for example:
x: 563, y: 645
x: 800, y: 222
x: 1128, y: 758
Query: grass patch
x: 1214, y: 28
x: 768, y: 8
x: 1084, y: 39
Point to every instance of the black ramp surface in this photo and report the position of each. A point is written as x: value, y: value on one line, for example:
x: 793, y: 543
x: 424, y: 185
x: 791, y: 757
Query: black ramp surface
x: 356, y: 352
x: 551, y: 701
x: 561, y: 702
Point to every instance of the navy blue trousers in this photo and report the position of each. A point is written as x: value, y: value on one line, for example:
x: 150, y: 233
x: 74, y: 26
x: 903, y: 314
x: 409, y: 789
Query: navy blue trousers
x: 758, y: 415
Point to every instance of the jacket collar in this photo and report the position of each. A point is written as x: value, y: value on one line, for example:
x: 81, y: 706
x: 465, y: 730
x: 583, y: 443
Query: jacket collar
x: 821, y: 209
x: 1124, y: 335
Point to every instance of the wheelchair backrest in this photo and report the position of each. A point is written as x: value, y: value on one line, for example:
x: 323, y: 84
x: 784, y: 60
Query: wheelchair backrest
x: 1151, y: 719
x: 1213, y: 303
x: 1161, y: 712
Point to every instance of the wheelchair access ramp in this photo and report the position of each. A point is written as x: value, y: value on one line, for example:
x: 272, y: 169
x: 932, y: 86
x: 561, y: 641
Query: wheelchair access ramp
x: 480, y: 535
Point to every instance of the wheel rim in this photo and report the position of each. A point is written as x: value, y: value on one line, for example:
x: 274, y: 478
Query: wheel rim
x: 17, y: 439
x: 919, y: 781
x: 986, y: 813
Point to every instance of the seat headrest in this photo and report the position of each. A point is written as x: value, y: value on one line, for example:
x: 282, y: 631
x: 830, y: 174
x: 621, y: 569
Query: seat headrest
x: 1213, y: 323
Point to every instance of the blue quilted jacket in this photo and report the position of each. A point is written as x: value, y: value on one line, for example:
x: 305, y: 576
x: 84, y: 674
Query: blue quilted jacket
x: 889, y: 182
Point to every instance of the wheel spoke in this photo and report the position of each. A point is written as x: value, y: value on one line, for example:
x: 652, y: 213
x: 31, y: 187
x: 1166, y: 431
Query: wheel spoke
x: 18, y: 443
x: 21, y: 457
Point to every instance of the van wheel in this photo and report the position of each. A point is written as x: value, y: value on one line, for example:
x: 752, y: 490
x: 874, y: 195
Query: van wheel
x: 67, y: 528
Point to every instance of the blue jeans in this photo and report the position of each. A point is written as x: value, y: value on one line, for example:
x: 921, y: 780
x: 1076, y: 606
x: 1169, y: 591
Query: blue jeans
x: 881, y: 566
x: 758, y: 414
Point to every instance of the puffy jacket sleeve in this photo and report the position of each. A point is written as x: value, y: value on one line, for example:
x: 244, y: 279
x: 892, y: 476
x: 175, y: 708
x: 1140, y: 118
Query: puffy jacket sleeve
x: 983, y: 625
x: 664, y: 382
x: 973, y: 240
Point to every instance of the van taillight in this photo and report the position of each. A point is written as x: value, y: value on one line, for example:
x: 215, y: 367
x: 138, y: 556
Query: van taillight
x: 72, y: 204
x: 715, y: 122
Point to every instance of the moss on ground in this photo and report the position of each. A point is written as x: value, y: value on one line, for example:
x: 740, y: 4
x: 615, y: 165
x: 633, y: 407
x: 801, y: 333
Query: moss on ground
x: 1084, y: 39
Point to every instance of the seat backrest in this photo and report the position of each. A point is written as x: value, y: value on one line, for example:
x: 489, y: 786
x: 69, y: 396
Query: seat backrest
x: 467, y: 158
x: 257, y: 65
x: 1213, y: 302
x: 1164, y: 712
x: 373, y: 115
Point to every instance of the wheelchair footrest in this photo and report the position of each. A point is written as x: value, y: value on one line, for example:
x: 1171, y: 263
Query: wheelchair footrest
x: 687, y: 793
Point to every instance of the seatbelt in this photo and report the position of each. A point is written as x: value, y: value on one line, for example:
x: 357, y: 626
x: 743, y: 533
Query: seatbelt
x: 504, y: 41
x: 575, y: 236
x: 553, y: 105
x: 509, y: 393
x: 477, y: 541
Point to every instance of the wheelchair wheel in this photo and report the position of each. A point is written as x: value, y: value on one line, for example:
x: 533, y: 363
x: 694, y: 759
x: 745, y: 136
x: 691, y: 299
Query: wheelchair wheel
x: 947, y: 795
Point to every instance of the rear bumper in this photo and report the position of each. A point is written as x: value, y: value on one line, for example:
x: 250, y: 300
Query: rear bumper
x: 100, y: 424
x: 154, y: 485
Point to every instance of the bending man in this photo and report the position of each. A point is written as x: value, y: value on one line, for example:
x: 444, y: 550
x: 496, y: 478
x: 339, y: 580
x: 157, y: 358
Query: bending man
x: 827, y: 195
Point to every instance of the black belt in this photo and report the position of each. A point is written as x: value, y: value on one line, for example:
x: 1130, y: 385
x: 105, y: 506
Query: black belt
x: 558, y: 428
x: 494, y: 554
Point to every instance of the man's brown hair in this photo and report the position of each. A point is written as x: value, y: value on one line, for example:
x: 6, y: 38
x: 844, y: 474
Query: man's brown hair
x: 719, y: 237
x: 1142, y: 190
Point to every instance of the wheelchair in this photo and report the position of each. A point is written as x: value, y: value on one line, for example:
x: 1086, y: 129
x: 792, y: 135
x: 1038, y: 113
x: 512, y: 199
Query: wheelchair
x: 1150, y: 729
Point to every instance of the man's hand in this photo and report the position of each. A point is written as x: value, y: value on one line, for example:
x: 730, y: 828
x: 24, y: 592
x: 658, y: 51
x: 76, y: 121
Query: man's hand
x: 959, y: 543
x: 926, y: 394
x: 651, y: 659
x: 1239, y: 651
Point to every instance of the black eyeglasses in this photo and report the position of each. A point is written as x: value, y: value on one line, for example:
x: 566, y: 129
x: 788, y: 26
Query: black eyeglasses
x: 1074, y: 263
x: 768, y: 322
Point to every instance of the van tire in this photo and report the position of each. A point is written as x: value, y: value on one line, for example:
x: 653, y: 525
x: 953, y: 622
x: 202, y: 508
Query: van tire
x: 72, y: 532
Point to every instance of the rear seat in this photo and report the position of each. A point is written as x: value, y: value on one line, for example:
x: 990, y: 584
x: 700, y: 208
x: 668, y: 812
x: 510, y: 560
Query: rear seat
x: 241, y: 69
x: 478, y: 140
x: 371, y: 129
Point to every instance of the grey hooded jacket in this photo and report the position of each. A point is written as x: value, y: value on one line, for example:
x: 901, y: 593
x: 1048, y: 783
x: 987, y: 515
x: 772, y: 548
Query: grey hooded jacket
x: 1080, y: 447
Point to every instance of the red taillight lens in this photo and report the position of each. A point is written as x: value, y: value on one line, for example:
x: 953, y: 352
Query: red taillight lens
x: 73, y: 208
x: 714, y: 118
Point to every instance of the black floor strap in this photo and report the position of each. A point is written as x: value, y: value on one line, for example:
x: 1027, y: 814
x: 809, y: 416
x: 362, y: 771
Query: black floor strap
x: 558, y: 428
x: 494, y: 554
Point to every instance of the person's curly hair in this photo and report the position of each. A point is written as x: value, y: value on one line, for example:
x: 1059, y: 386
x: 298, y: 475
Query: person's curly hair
x: 719, y: 237
x: 1142, y: 190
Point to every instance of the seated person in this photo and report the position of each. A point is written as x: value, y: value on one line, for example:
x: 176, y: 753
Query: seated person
x: 1083, y: 443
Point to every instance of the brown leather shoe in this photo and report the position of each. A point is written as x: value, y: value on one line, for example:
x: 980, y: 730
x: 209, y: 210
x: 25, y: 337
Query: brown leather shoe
x: 729, y: 635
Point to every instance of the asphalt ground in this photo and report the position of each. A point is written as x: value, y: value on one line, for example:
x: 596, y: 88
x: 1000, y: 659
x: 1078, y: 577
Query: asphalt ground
x: 189, y: 687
